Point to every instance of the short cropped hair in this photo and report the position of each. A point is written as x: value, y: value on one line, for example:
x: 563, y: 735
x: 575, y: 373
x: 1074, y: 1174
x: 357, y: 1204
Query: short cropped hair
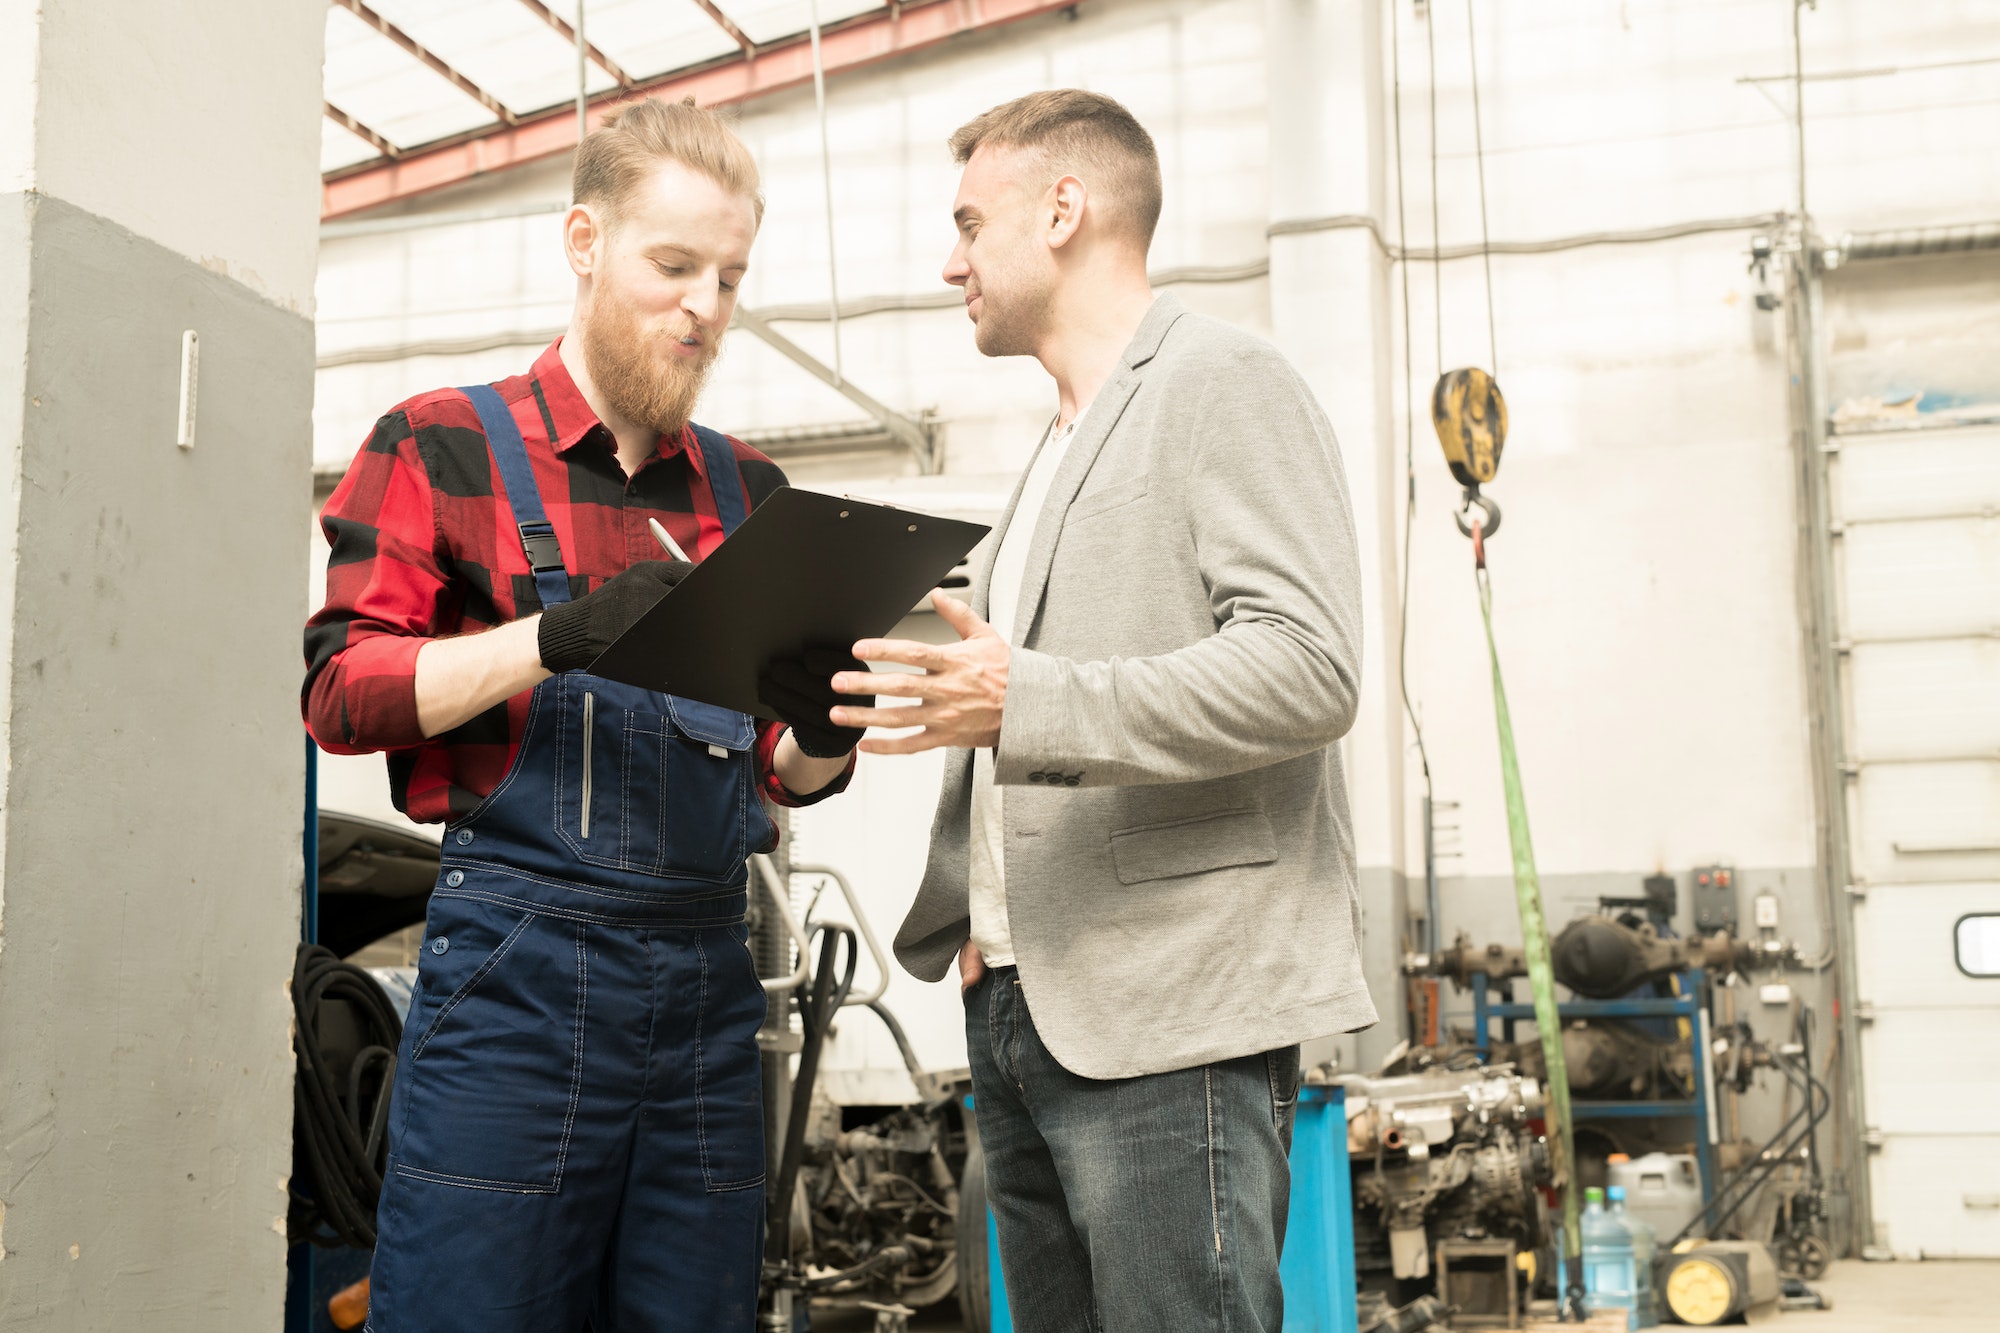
x: 614, y: 158
x: 1077, y: 133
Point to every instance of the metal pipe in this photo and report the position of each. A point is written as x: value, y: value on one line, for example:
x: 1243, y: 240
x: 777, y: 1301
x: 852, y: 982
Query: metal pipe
x: 1906, y: 242
x: 1870, y: 72
x: 309, y: 895
x: 1798, y: 103
x: 767, y: 874
x: 861, y: 923
x: 334, y: 231
x: 1433, y: 932
x: 1819, y: 608
x: 914, y: 437
x: 1635, y: 236
x: 582, y: 78
x: 826, y: 186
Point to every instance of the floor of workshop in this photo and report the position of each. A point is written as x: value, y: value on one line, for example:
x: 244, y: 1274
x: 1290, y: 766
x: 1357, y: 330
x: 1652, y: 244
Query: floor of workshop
x: 1962, y: 1296
x: 1946, y: 1296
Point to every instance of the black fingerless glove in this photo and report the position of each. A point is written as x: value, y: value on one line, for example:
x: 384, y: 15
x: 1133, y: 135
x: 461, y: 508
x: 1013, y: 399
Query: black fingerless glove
x: 800, y: 691
x: 574, y: 634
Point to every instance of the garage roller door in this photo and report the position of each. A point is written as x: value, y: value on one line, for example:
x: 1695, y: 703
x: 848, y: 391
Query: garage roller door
x: 1917, y: 551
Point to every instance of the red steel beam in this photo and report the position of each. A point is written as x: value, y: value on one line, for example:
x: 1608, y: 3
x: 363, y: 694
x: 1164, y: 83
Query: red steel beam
x: 561, y: 25
x: 429, y: 58
x: 863, y: 40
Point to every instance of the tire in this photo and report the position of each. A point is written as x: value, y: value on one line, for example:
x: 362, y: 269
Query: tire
x: 975, y: 1304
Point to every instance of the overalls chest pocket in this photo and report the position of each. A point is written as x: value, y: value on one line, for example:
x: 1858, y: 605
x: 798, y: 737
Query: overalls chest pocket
x: 654, y: 784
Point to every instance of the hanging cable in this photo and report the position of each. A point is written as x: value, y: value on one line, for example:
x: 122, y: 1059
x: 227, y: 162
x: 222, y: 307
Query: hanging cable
x: 826, y: 184
x: 1409, y: 457
x: 1479, y: 155
x: 1437, y: 237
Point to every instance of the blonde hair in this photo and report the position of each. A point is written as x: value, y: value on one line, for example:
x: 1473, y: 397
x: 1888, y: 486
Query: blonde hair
x: 1081, y: 133
x: 615, y: 157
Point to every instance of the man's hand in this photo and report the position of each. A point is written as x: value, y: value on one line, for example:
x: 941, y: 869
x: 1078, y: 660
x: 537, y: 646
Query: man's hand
x: 971, y: 966
x: 962, y: 690
x: 800, y: 691
x: 573, y: 633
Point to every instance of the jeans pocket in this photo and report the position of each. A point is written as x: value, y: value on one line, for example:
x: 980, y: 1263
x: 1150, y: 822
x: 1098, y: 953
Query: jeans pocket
x: 729, y: 1086
x: 489, y: 1090
x: 1282, y: 1068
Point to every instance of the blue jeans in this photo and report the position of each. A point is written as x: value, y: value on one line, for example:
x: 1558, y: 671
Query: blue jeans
x: 1131, y: 1205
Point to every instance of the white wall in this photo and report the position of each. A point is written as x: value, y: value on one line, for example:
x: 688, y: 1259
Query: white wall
x: 1644, y: 580
x: 128, y: 79
x: 21, y: 20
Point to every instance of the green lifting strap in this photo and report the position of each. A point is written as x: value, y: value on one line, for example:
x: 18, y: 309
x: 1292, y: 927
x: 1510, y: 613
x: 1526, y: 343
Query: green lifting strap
x: 1535, y: 946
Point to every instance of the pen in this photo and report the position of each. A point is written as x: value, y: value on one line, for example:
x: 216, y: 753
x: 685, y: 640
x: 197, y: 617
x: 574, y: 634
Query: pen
x: 660, y: 536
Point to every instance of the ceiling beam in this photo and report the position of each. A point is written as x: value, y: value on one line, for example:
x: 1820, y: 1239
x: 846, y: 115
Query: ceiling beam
x: 360, y: 131
x: 429, y: 58
x: 862, y: 40
x: 597, y: 57
x: 728, y: 25
x: 919, y: 437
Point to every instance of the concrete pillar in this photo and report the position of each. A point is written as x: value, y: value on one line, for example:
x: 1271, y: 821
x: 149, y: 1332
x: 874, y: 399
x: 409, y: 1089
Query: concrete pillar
x: 1330, y: 315
x: 158, y: 173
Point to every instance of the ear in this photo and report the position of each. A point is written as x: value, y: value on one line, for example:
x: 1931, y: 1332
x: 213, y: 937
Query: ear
x: 1064, y: 208
x: 583, y: 240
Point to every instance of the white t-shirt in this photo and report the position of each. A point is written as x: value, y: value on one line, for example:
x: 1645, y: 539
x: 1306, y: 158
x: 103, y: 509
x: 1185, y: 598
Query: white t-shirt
x: 987, y: 890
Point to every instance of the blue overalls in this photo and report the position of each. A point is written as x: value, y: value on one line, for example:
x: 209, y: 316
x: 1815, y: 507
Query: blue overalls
x: 576, y: 1125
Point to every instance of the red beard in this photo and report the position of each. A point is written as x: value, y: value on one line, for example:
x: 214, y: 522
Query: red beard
x: 641, y: 378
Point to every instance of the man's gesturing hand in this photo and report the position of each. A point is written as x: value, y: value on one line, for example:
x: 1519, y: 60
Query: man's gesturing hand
x: 961, y: 691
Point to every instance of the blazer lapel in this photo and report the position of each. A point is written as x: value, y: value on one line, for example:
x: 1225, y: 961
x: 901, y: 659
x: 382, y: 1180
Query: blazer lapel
x: 1099, y: 419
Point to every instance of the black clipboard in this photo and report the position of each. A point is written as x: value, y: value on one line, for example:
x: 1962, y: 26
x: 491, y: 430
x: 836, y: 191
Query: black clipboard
x: 804, y: 570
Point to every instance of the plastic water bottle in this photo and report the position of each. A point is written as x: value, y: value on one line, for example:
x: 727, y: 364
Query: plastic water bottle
x: 1610, y: 1274
x: 1646, y: 1303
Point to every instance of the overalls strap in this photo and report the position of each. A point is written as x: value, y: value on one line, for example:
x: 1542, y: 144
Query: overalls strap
x: 725, y: 482
x: 510, y: 455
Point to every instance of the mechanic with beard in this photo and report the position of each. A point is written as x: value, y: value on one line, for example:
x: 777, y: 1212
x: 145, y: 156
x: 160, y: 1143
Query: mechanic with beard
x: 575, y: 1128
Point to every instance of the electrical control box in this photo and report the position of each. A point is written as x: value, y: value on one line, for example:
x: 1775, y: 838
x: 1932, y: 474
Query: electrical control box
x: 1764, y: 908
x: 1715, y: 899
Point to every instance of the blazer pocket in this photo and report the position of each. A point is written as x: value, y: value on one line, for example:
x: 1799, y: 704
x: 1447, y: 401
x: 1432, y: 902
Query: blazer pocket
x: 1192, y: 846
x: 1111, y: 497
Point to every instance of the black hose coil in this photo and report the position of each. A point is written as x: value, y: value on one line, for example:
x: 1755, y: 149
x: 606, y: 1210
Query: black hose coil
x: 340, y: 1127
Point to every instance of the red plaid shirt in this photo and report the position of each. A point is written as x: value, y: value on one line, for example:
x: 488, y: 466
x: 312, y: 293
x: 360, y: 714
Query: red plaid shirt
x: 424, y: 547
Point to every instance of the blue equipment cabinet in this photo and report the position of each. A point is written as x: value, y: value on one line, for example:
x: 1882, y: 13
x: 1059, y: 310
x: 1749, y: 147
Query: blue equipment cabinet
x: 1687, y: 1006
x: 1317, y: 1266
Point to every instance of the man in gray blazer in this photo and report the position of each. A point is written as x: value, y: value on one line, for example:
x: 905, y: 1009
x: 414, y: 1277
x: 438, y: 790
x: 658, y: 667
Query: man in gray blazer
x: 1142, y: 857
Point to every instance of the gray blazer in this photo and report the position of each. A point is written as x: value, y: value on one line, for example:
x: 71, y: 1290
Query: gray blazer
x: 1179, y: 853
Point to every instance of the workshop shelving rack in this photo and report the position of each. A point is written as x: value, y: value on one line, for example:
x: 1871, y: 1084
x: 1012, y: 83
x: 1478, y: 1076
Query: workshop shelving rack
x: 1687, y: 1006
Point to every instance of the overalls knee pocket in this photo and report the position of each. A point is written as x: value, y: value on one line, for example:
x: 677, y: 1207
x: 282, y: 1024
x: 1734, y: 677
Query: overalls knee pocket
x: 496, y: 1062
x: 729, y: 1072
